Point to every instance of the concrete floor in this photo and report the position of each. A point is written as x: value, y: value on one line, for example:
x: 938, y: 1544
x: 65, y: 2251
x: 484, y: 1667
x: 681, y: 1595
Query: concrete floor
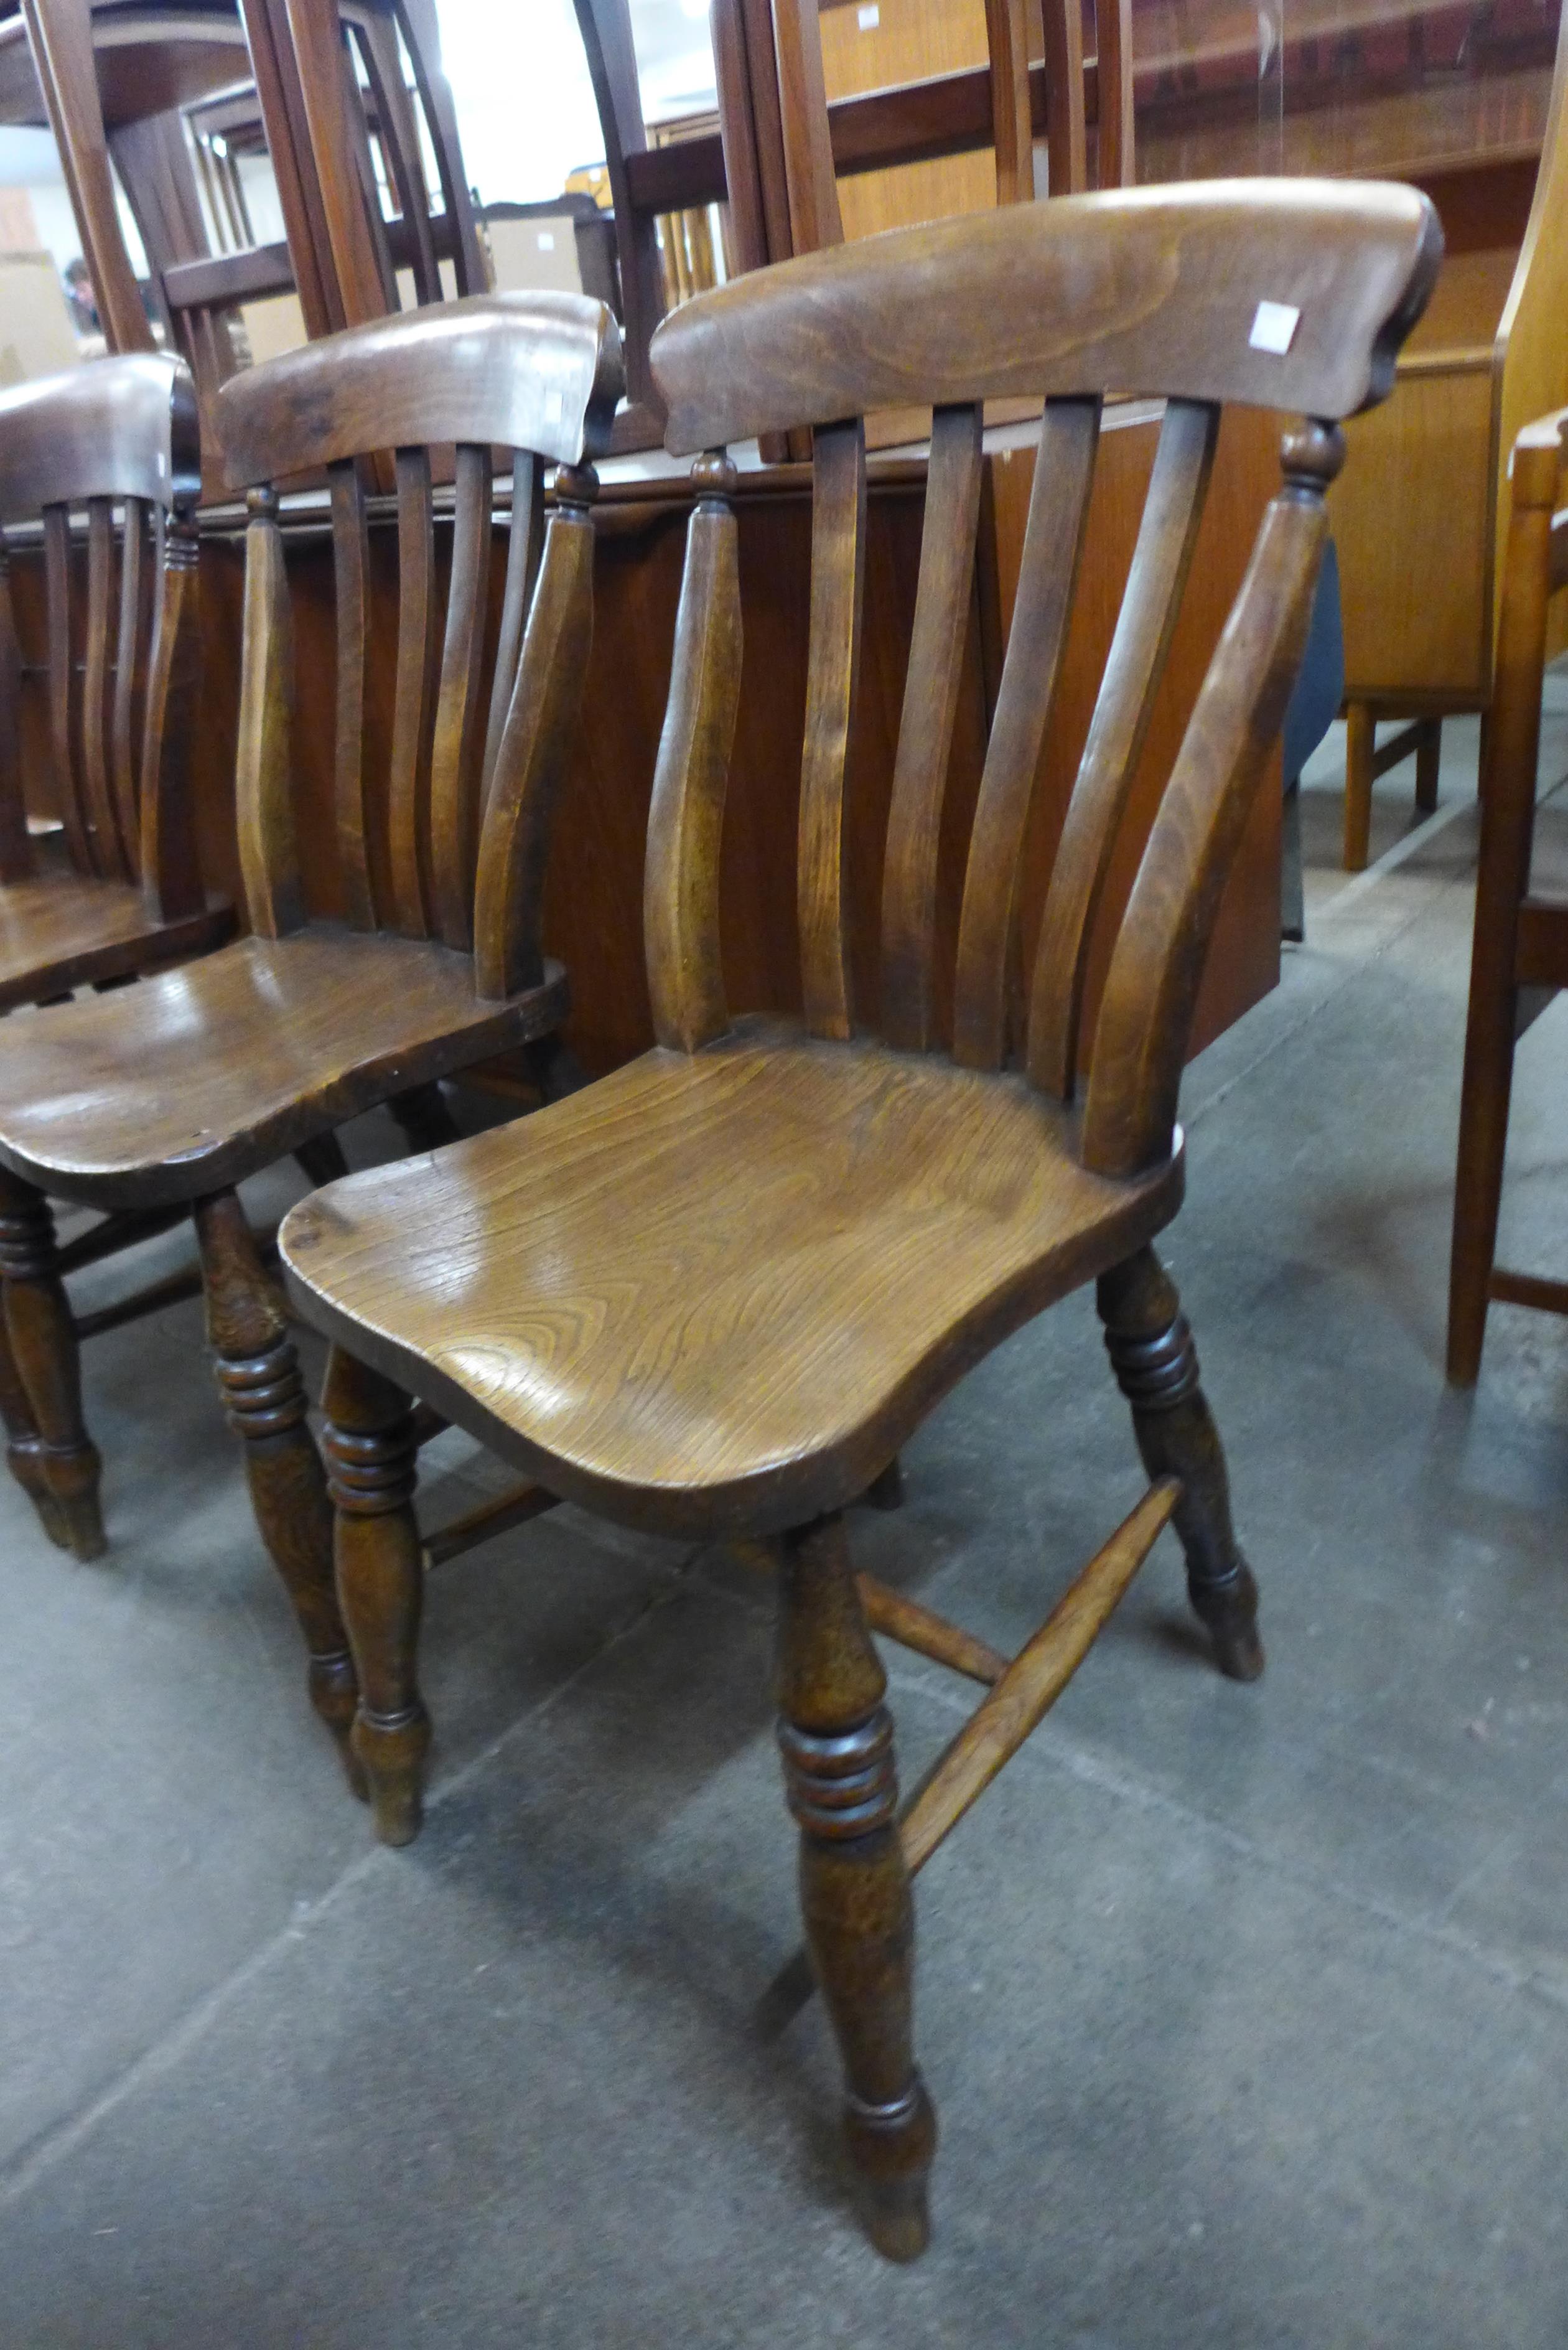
x: 1246, y: 2010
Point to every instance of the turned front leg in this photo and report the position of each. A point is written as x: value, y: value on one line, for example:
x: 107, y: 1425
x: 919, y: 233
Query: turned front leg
x: 372, y: 1457
x: 1155, y: 1364
x: 263, y: 1394
x: 837, y: 1740
x: 52, y: 1456
x: 24, y: 1446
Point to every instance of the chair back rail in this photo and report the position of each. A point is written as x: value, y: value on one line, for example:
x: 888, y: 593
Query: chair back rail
x: 445, y: 836
x: 116, y: 444
x: 1285, y: 294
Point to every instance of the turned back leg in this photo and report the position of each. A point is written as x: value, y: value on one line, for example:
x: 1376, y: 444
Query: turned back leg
x: 837, y: 1740
x: 263, y: 1394
x: 1155, y: 1364
x: 372, y: 1462
x: 51, y: 1453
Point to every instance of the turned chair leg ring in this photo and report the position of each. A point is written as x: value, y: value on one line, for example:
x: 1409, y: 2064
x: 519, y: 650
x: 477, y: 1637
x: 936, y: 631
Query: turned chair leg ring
x: 1155, y: 1363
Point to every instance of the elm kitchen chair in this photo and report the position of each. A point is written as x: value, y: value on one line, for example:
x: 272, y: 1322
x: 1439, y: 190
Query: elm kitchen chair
x: 118, y: 890
x: 169, y: 1095
x: 715, y: 1293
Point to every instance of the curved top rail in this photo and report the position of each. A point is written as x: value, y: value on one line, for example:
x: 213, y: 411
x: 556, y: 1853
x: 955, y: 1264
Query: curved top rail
x: 1290, y: 294
x: 539, y: 371
x: 116, y: 428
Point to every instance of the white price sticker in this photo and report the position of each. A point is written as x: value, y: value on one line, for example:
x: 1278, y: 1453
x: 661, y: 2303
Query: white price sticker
x: 1274, y: 329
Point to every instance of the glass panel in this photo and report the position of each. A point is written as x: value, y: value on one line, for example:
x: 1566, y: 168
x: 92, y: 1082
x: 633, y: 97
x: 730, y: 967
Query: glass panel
x: 1390, y: 86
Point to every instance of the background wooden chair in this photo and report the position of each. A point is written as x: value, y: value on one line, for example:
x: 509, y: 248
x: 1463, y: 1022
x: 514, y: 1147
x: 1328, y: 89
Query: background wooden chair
x: 172, y: 1095
x: 118, y: 890
x: 715, y: 1294
x: 1520, y: 956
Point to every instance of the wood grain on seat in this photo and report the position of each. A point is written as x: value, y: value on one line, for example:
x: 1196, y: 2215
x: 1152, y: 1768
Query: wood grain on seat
x: 726, y: 1284
x: 60, y: 930
x: 197, y: 1077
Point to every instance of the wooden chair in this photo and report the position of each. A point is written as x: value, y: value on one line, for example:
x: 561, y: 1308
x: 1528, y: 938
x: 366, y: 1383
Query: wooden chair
x: 119, y: 440
x: 171, y: 1095
x: 1520, y: 956
x: 714, y: 1293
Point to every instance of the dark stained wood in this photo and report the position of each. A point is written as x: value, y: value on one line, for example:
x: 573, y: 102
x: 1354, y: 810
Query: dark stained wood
x: 926, y: 729
x: 263, y: 1396
x: 901, y: 1147
x: 686, y: 821
x: 418, y: 683
x: 835, y: 1737
x: 837, y: 593
x: 373, y: 1465
x: 750, y: 1263
x: 456, y: 747
x: 1000, y: 288
x: 42, y: 1349
x: 1026, y: 1692
x: 1144, y: 626
x: 195, y: 1079
x: 351, y: 561
x: 264, y: 800
x: 59, y: 34
x: 987, y: 952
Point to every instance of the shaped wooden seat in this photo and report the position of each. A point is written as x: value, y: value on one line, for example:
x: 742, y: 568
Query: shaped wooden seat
x: 206, y: 1074
x: 62, y: 929
x: 210, y: 1073
x: 105, y: 464
x: 714, y: 1295
x: 792, y: 1249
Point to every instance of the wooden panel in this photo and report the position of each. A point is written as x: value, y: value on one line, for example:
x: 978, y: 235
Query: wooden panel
x: 593, y: 906
x: 1414, y: 562
x: 910, y: 41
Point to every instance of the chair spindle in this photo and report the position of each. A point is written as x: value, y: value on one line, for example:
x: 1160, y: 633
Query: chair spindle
x: 525, y: 545
x: 1145, y: 1014
x: 124, y: 746
x: 1125, y: 705
x: 264, y: 798
x: 62, y: 654
x: 531, y: 757
x: 686, y: 821
x: 988, y: 956
x: 96, y: 690
x: 838, y: 585
x: 925, y: 731
x: 414, y: 701
x: 454, y: 813
x: 17, y: 862
x: 351, y: 569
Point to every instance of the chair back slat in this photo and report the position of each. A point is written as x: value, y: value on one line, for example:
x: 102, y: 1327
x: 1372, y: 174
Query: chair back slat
x: 531, y: 757
x: 97, y: 687
x: 942, y: 601
x: 537, y: 375
x: 398, y: 138
x: 171, y: 868
x: 1161, y: 558
x: 525, y: 545
x: 985, y: 999
x: 838, y: 586
x: 1281, y: 295
x: 1114, y: 76
x: 117, y: 445
x: 454, y: 755
x: 1066, y: 140
x: 1013, y: 128
x: 1146, y: 1013
x: 264, y: 797
x: 63, y: 733
x: 15, y: 847
x: 414, y: 701
x: 130, y: 699
x: 686, y: 820
x: 351, y: 566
